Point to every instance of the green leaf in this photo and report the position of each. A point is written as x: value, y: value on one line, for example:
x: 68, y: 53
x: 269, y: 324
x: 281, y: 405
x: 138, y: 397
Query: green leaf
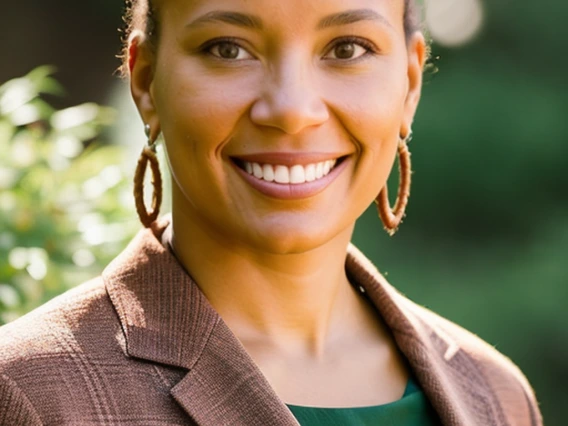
x: 38, y: 75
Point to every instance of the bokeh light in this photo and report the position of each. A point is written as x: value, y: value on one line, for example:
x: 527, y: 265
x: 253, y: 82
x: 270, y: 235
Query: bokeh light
x: 453, y: 23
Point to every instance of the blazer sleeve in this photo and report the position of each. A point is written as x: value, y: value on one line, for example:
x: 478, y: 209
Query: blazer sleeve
x: 15, y: 407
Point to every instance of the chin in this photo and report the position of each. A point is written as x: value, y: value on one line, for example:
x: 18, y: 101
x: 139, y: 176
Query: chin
x: 279, y: 247
x: 283, y: 240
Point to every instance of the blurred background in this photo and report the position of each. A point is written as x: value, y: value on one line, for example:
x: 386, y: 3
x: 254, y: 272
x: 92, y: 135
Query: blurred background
x: 485, y: 240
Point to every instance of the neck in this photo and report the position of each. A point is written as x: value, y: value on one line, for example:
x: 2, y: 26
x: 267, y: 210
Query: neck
x: 293, y: 302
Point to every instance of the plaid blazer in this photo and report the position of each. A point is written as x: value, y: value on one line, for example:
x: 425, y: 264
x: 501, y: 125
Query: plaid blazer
x: 141, y: 345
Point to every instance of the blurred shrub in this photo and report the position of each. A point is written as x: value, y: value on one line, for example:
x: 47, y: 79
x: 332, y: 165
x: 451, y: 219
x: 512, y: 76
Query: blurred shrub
x: 65, y: 205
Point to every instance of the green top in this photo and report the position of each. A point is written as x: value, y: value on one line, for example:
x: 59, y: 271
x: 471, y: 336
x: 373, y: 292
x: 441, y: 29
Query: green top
x: 413, y: 409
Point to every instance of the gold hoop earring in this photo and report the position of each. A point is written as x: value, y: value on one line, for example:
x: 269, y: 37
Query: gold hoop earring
x: 392, y: 218
x: 148, y: 155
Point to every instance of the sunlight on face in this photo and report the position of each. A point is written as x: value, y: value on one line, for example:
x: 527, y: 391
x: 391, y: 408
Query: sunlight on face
x: 281, y: 119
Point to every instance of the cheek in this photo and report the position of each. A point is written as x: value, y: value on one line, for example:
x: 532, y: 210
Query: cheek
x: 370, y: 104
x: 198, y: 114
x: 371, y: 109
x: 202, y: 117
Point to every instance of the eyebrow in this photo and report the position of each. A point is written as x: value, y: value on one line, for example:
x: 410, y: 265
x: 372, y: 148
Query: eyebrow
x: 234, y: 18
x: 254, y: 22
x: 350, y: 17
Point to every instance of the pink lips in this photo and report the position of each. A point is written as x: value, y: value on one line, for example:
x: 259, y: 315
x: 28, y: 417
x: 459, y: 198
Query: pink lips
x: 291, y: 191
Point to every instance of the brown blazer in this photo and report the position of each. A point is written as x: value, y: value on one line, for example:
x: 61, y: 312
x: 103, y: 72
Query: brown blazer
x: 141, y: 345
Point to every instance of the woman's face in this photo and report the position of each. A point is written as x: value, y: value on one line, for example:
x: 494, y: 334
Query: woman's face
x: 283, y: 90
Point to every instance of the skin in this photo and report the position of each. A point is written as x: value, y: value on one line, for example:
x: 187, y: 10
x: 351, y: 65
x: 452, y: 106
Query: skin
x: 273, y: 268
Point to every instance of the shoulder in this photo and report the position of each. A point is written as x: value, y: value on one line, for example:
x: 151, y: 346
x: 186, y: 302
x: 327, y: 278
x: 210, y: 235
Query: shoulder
x: 478, y: 361
x: 42, y: 352
x: 464, y: 376
x: 50, y: 330
x: 464, y: 340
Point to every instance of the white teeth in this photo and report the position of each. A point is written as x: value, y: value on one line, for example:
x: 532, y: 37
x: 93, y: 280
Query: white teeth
x: 297, y: 174
x: 319, y: 170
x: 268, y: 172
x: 294, y: 175
x: 281, y: 174
x: 257, y: 170
x: 310, y: 172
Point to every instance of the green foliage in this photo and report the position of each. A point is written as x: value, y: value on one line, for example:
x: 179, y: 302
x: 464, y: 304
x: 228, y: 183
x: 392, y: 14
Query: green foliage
x: 65, y: 207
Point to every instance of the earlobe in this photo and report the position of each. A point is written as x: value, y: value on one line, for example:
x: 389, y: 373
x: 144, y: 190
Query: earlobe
x: 416, y: 60
x: 140, y: 64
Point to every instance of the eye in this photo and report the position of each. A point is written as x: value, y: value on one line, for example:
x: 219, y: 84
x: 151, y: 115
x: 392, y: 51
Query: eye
x: 227, y: 49
x: 350, y: 48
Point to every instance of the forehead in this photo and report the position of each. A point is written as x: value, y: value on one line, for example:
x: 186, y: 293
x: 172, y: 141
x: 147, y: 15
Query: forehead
x: 291, y: 14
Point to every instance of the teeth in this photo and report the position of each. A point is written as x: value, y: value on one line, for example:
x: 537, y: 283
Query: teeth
x: 281, y: 174
x: 294, y: 175
x: 297, y: 174
x: 319, y: 170
x: 257, y: 170
x: 268, y: 172
x: 310, y: 173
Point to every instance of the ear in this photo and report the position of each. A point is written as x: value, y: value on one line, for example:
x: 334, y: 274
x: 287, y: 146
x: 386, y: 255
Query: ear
x: 416, y: 47
x: 141, y: 68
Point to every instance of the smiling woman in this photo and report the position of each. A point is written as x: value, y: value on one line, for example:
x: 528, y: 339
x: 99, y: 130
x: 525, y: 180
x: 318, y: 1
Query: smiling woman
x: 249, y: 306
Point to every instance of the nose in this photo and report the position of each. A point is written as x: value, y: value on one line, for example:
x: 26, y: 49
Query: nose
x: 290, y: 100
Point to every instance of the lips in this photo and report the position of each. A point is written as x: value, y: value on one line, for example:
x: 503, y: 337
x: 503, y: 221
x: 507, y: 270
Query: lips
x: 289, y: 176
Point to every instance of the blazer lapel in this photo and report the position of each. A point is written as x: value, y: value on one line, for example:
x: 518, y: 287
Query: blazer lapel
x: 449, y: 377
x: 225, y: 387
x: 167, y: 319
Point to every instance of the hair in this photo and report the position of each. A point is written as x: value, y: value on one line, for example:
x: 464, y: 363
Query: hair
x: 141, y: 17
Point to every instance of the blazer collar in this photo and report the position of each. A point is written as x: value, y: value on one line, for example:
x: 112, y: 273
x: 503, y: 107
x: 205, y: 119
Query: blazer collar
x: 167, y: 319
x: 449, y: 376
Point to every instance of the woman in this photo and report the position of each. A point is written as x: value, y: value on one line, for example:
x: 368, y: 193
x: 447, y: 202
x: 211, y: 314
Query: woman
x: 281, y: 122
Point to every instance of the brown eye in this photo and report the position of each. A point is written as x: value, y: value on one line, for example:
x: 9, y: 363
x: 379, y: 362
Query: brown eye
x: 349, y: 49
x: 344, y: 50
x: 228, y: 50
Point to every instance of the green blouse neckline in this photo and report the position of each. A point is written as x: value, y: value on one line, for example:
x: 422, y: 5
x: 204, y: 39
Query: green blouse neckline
x: 411, y: 387
x: 412, y: 409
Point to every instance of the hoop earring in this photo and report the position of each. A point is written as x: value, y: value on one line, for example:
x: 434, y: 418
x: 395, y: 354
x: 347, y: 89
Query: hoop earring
x: 148, y: 155
x: 392, y: 218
